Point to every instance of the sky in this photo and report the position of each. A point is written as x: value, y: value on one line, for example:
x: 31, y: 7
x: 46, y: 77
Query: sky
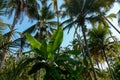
x: 115, y: 10
x: 67, y: 37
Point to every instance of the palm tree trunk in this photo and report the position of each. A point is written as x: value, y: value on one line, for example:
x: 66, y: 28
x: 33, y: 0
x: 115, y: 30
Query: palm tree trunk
x: 56, y: 10
x: 9, y: 39
x: 110, y: 23
x: 10, y: 36
x: 90, y: 75
x: 108, y: 65
x: 88, y: 53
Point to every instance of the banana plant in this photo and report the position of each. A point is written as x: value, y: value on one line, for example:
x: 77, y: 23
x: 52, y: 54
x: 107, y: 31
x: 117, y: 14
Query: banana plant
x: 47, y: 49
x: 46, y: 59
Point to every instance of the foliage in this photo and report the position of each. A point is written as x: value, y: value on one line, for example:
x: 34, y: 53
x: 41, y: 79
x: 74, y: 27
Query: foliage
x: 37, y: 53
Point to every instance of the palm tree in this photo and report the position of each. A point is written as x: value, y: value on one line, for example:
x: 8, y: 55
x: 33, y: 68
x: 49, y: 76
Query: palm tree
x: 101, y: 47
x: 3, y: 41
x: 79, y: 10
x: 42, y: 29
x: 19, y: 8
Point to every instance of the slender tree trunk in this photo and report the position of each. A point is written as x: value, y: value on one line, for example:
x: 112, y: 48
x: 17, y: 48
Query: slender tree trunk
x: 112, y: 76
x: 10, y: 36
x: 88, y: 53
x: 110, y: 23
x: 56, y: 9
x: 90, y: 75
x: 9, y: 40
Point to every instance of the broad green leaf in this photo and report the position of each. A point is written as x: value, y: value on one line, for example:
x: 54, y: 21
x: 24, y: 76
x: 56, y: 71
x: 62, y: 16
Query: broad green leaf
x: 51, y: 42
x: 58, y: 39
x: 33, y: 42
x: 43, y: 48
x: 37, y: 46
x: 51, y: 56
x: 55, y: 41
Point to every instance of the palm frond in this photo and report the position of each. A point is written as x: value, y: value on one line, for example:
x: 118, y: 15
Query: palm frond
x: 31, y: 29
x: 46, y: 13
x: 3, y: 23
x: 70, y: 25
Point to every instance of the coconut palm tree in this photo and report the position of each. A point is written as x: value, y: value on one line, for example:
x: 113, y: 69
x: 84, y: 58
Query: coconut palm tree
x: 101, y: 47
x: 42, y: 29
x: 19, y: 8
x: 79, y: 10
x: 3, y: 41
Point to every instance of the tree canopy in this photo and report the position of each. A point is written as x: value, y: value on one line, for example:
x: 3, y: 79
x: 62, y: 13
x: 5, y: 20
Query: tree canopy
x: 36, y: 52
